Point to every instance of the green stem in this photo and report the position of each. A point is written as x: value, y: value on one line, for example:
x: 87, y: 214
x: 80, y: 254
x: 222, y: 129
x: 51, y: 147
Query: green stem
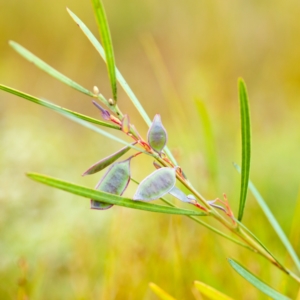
x: 233, y: 227
x: 206, y: 225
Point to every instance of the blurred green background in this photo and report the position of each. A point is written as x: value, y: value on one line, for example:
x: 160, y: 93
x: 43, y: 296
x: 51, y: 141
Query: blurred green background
x: 52, y: 246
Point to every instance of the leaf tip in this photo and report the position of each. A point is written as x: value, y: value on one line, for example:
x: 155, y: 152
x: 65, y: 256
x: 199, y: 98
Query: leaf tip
x: 11, y: 43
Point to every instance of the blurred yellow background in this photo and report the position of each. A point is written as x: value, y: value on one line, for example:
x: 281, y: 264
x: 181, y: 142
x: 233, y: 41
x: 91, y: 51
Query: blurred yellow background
x: 52, y: 246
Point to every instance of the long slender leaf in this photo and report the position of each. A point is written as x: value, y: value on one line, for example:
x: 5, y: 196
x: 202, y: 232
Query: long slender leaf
x: 210, y: 292
x: 120, y: 78
x: 163, y: 295
x: 48, y: 69
x: 56, y: 108
x: 107, y: 43
x: 108, y: 198
x: 274, y: 223
x: 74, y: 116
x: 256, y: 281
x: 246, y: 145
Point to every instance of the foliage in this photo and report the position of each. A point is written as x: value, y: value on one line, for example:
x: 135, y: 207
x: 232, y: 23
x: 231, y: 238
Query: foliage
x: 168, y: 173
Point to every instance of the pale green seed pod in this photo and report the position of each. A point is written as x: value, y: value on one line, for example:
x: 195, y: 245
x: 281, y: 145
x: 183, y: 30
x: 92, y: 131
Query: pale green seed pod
x: 156, y: 185
x: 180, y: 195
x: 115, y: 181
x: 157, y: 135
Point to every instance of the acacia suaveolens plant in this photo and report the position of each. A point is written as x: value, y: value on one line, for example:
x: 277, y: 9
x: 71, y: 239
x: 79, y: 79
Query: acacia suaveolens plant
x: 167, y: 177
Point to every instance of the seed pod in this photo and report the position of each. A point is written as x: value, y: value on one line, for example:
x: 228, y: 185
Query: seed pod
x: 212, y: 203
x: 103, y: 163
x: 105, y: 113
x: 180, y: 195
x: 156, y: 185
x: 157, y: 135
x: 125, y: 124
x: 115, y: 181
x: 191, y: 197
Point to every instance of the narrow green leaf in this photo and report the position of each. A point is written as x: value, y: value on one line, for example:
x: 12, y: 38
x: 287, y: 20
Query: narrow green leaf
x: 157, y: 135
x: 256, y: 281
x: 156, y: 185
x: 107, y: 43
x: 48, y: 69
x: 56, y: 108
x: 120, y: 78
x: 210, y: 292
x: 246, y: 145
x: 109, y: 198
x: 103, y: 163
x: 163, y: 295
x: 274, y: 223
x: 115, y: 181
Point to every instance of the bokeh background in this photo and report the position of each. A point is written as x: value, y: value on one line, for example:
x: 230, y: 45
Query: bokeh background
x: 52, y: 246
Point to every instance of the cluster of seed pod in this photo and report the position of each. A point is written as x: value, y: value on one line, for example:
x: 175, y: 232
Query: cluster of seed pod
x: 115, y: 181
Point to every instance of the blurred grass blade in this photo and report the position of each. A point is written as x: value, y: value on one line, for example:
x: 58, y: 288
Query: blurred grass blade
x: 56, y: 107
x: 208, y: 140
x: 294, y: 236
x: 120, y: 78
x: 108, y: 198
x: 107, y: 43
x: 285, y: 241
x: 298, y: 296
x: 48, y: 69
x: 160, y: 292
x: 246, y: 145
x: 256, y: 281
x: 275, y: 225
x: 210, y: 292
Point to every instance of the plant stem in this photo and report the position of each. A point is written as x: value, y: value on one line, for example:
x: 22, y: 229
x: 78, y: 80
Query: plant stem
x: 234, y: 227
